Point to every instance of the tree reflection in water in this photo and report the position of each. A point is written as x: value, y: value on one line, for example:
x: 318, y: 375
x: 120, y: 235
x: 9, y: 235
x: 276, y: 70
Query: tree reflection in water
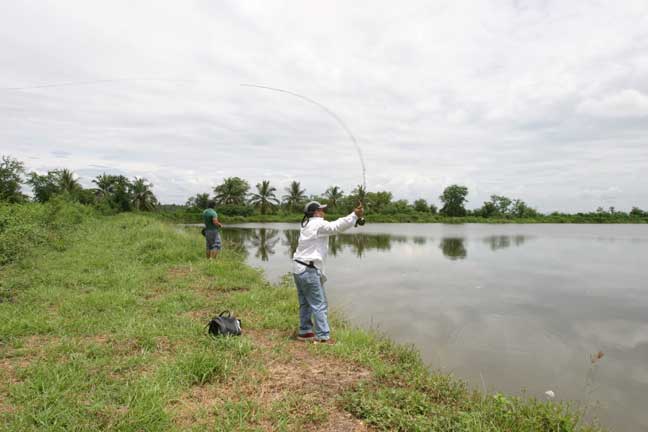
x: 358, y: 243
x: 235, y: 239
x: 419, y: 240
x: 265, y: 240
x: 291, y: 238
x: 504, y: 241
x: 453, y: 248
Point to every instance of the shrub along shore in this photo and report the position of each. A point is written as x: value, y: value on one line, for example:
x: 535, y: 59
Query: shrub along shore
x: 184, y: 216
x: 105, y: 331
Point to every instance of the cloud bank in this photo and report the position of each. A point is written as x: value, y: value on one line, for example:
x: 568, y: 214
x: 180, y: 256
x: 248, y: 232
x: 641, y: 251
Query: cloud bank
x: 542, y: 100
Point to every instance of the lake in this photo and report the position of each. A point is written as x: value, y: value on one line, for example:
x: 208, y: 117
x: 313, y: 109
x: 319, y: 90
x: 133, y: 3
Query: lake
x: 510, y: 308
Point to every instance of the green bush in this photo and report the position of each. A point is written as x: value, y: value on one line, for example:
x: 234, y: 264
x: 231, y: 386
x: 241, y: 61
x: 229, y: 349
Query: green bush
x: 25, y: 227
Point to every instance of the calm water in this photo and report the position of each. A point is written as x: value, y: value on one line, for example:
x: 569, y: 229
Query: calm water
x: 510, y: 307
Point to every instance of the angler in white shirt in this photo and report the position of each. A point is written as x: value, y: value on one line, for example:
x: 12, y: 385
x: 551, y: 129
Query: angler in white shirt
x: 308, y: 268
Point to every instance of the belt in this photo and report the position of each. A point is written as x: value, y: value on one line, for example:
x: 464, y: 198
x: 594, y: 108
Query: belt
x: 310, y: 263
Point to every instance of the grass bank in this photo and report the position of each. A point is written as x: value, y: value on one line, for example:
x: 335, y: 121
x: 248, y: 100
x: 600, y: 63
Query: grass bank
x: 108, y: 334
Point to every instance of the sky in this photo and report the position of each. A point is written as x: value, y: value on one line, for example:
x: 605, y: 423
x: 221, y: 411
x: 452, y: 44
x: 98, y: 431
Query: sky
x: 546, y: 101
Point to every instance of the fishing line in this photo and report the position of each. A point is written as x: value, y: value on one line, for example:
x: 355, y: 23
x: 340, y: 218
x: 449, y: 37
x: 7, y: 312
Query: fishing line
x: 332, y: 114
x: 326, y: 109
x: 90, y: 82
x: 306, y: 98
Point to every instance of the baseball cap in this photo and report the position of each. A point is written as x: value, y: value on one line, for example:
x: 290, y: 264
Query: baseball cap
x: 312, y: 206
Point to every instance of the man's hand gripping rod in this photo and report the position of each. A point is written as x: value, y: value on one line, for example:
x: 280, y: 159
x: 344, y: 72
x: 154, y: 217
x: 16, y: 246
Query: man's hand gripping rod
x: 359, y: 211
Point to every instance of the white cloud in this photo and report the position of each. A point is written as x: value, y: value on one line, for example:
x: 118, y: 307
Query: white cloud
x: 538, y: 99
x: 625, y: 103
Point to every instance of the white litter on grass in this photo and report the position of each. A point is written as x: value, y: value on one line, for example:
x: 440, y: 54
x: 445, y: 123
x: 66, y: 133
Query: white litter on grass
x: 550, y: 394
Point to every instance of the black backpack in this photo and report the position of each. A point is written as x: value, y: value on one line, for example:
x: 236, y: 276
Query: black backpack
x: 224, y: 325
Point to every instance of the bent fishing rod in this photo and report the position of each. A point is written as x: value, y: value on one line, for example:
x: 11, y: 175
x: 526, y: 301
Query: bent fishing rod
x: 360, y: 221
x: 345, y: 127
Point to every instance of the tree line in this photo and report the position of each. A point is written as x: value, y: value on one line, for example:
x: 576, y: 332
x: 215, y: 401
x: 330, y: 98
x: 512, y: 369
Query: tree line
x: 235, y: 197
x: 112, y: 193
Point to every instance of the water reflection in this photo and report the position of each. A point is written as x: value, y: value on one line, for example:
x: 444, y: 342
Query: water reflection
x: 453, y: 248
x: 263, y: 242
x: 504, y: 241
x: 291, y: 238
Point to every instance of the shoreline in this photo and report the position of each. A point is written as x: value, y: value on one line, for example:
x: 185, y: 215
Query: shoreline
x: 117, y: 318
x: 416, y: 218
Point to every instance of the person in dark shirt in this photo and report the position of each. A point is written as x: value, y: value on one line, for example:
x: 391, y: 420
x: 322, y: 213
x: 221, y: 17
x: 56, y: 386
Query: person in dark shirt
x: 212, y: 225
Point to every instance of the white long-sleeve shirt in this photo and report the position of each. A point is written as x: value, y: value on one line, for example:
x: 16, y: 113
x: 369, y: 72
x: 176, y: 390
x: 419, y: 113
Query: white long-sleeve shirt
x: 313, y: 241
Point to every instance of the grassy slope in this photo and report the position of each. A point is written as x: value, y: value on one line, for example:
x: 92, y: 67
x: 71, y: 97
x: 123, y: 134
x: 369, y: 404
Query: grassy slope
x: 108, y: 335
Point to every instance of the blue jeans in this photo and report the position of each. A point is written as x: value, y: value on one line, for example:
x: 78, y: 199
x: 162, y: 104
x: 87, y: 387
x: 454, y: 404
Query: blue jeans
x: 312, y: 301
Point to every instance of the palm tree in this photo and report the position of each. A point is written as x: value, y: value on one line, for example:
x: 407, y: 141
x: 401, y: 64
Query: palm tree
x: 67, y: 182
x: 333, y: 194
x: 265, y: 198
x: 360, y: 193
x: 142, y: 195
x: 232, y: 191
x: 199, y: 201
x: 295, y: 197
x: 105, y: 185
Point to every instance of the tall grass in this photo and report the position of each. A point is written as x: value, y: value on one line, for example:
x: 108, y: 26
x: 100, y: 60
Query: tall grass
x: 29, y: 227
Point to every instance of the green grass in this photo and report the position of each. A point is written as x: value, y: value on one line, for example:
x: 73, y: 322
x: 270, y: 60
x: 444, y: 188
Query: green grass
x: 108, y: 333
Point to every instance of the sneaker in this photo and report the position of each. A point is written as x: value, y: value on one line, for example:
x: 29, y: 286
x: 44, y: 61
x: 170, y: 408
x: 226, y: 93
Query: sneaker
x: 324, y: 341
x: 306, y: 336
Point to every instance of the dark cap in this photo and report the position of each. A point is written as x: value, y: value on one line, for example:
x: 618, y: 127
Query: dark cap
x: 312, y: 206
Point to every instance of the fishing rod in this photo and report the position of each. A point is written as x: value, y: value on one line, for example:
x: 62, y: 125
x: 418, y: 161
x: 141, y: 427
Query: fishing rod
x: 337, y: 118
x: 360, y: 221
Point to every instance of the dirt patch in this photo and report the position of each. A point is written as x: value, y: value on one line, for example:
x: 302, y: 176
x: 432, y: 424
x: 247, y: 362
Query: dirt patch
x: 33, y: 349
x: 198, y: 400
x: 5, y: 407
x: 8, y: 367
x: 286, y: 380
x: 341, y: 421
x: 201, y: 315
x: 212, y: 288
x: 179, y: 272
x: 310, y: 375
x: 30, y: 350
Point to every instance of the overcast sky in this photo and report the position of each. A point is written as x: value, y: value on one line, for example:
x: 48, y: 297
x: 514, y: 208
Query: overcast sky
x: 542, y: 100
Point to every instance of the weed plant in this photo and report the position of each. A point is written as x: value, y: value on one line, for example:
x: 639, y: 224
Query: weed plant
x: 33, y: 227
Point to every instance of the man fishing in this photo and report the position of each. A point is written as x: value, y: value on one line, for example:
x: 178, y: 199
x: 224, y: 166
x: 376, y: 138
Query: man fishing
x: 212, y: 224
x: 308, y: 269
